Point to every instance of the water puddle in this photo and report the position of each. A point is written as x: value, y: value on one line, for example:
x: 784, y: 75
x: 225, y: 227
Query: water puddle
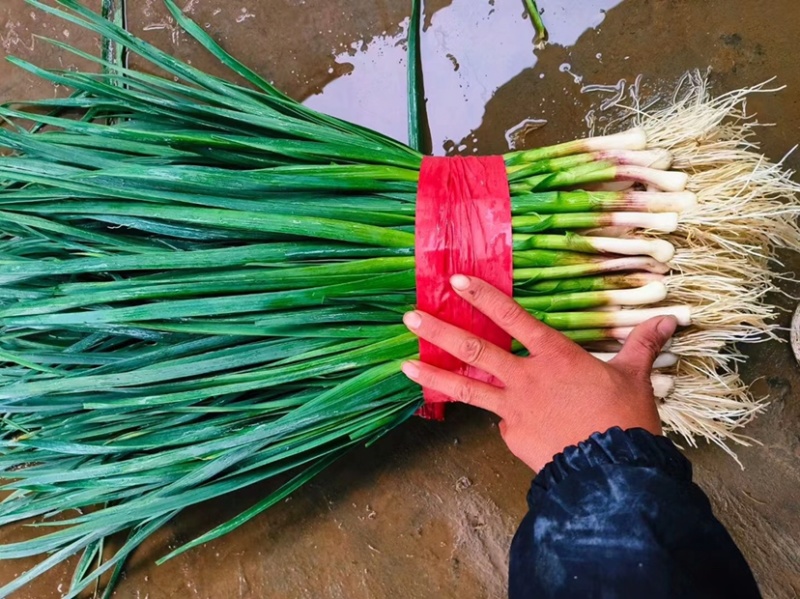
x: 470, y: 49
x: 373, y: 92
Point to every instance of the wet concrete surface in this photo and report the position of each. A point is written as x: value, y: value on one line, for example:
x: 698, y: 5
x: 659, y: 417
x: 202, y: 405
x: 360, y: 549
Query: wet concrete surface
x: 429, y: 511
x: 20, y: 24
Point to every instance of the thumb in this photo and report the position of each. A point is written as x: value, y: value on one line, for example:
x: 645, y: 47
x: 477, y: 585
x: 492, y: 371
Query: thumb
x: 644, y: 344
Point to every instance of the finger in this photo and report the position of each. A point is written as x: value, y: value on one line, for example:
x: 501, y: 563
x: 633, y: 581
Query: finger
x: 468, y: 348
x: 644, y: 345
x: 507, y: 314
x: 459, y: 388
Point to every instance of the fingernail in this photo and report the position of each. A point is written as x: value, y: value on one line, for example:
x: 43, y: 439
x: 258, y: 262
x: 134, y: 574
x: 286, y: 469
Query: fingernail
x: 412, y: 320
x: 410, y: 369
x: 459, y: 282
x: 667, y: 326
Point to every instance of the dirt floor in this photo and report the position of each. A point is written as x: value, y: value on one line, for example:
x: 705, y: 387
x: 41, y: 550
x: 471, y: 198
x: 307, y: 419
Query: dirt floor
x: 430, y: 510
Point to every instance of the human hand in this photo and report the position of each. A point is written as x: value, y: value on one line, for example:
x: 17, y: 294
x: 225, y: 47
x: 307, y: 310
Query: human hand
x: 556, y: 397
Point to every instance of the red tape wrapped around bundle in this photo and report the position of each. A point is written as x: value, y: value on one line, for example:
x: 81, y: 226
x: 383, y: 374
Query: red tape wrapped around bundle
x: 463, y: 226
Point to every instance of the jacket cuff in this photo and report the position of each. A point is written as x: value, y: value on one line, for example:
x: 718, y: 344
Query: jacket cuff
x: 633, y: 447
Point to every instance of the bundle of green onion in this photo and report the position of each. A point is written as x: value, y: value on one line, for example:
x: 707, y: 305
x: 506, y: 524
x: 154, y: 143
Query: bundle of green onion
x: 202, y: 284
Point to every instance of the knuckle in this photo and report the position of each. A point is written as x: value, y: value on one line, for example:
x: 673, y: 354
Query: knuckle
x: 472, y: 350
x: 649, y: 346
x: 509, y: 314
x: 464, y: 394
x: 652, y: 345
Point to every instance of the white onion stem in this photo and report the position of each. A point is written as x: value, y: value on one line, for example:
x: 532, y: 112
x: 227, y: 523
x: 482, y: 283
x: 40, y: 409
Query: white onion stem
x: 661, y: 201
x: 660, y: 249
x: 665, y: 180
x: 657, y: 159
x: 666, y: 222
x: 650, y: 293
x: 663, y: 360
x: 630, y: 318
x: 632, y: 139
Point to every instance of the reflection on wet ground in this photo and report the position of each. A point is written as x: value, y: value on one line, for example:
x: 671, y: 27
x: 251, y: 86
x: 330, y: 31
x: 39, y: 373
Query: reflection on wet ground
x: 461, y: 74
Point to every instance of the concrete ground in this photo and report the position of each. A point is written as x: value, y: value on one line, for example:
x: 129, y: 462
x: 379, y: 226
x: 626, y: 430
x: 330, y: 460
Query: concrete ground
x: 429, y: 511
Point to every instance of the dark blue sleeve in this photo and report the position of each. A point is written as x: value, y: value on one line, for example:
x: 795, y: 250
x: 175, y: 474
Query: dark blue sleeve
x: 618, y: 516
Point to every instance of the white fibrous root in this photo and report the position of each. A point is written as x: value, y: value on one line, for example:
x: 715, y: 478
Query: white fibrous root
x: 737, y: 211
x: 709, y: 401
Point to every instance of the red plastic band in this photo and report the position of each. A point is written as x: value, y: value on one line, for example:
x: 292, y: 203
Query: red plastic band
x: 463, y: 226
